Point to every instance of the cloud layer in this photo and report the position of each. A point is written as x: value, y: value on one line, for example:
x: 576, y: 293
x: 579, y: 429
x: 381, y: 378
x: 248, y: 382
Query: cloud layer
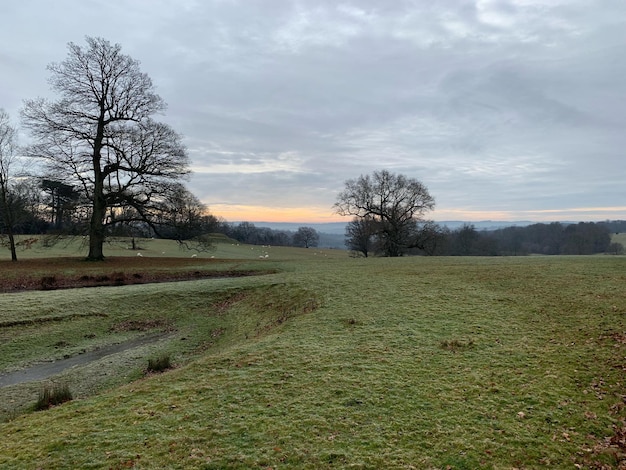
x: 504, y: 109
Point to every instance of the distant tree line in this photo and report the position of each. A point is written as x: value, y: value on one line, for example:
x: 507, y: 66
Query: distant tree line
x: 247, y: 232
x: 584, y: 238
x: 615, y: 226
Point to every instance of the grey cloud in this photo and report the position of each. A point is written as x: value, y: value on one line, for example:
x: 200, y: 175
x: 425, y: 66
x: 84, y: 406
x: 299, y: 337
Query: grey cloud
x: 493, y: 104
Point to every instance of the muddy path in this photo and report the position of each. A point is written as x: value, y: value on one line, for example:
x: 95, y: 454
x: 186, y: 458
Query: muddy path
x: 46, y: 370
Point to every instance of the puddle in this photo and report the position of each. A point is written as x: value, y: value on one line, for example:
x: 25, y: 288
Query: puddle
x: 48, y: 369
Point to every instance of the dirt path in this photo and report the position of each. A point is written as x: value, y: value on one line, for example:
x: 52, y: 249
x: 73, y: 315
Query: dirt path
x: 45, y: 370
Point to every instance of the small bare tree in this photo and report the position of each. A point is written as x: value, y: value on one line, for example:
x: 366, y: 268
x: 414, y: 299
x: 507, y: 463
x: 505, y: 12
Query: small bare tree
x: 360, y: 235
x: 99, y: 135
x: 306, y: 237
x: 9, y: 198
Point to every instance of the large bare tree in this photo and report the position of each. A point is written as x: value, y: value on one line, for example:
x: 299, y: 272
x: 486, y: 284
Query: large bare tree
x: 99, y: 136
x: 393, y: 202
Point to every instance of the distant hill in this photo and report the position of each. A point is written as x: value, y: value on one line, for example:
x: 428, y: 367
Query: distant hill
x: 486, y: 224
x: 332, y: 234
x: 339, y: 228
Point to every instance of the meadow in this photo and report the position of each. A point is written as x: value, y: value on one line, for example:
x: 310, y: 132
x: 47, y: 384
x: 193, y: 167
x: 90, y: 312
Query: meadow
x: 619, y: 238
x: 326, y: 361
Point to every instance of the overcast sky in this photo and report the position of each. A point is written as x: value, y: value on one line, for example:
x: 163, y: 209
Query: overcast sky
x: 505, y: 110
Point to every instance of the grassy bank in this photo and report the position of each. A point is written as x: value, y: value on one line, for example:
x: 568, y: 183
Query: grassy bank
x: 337, y: 362
x: 32, y: 247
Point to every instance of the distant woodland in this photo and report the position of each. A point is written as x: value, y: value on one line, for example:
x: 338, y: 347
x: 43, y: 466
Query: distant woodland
x: 583, y: 238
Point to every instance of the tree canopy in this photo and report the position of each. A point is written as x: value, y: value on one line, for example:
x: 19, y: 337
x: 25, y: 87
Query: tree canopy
x: 391, y: 202
x: 306, y: 237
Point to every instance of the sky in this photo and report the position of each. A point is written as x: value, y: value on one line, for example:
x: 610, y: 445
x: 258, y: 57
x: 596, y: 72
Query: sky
x: 504, y: 110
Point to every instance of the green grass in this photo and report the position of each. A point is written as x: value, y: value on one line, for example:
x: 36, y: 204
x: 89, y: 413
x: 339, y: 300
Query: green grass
x: 224, y: 248
x: 338, y: 363
x: 619, y: 238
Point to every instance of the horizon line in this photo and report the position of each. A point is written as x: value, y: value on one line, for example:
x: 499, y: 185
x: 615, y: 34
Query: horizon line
x: 499, y: 221
x: 318, y: 215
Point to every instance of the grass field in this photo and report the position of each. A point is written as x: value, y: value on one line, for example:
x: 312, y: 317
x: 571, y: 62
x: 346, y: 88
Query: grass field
x: 332, y: 362
x: 38, y: 247
x: 619, y: 238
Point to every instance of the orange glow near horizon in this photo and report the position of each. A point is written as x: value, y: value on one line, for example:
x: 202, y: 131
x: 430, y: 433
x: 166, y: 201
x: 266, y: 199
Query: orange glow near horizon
x: 316, y: 215
x: 320, y: 215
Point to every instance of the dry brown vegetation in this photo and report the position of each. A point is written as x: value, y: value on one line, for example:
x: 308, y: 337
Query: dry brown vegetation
x: 64, y: 273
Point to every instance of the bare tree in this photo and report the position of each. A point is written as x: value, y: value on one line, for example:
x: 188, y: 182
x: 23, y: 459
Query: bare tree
x: 184, y: 215
x: 100, y: 137
x: 306, y: 237
x: 186, y: 219
x: 9, y: 197
x: 395, y: 202
x: 360, y: 234
x: 431, y: 238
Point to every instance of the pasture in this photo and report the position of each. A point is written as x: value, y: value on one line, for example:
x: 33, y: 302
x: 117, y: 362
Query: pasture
x: 619, y: 238
x: 329, y: 362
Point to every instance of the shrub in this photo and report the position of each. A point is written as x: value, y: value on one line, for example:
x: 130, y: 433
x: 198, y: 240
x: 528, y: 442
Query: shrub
x: 159, y: 364
x: 119, y: 279
x: 456, y: 345
x: 51, y: 396
x: 49, y: 282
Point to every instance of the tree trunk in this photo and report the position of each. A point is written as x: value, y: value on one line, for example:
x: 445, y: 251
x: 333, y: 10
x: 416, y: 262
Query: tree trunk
x: 96, y: 224
x: 12, y: 246
x: 96, y: 241
x: 96, y: 227
x: 7, y: 216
